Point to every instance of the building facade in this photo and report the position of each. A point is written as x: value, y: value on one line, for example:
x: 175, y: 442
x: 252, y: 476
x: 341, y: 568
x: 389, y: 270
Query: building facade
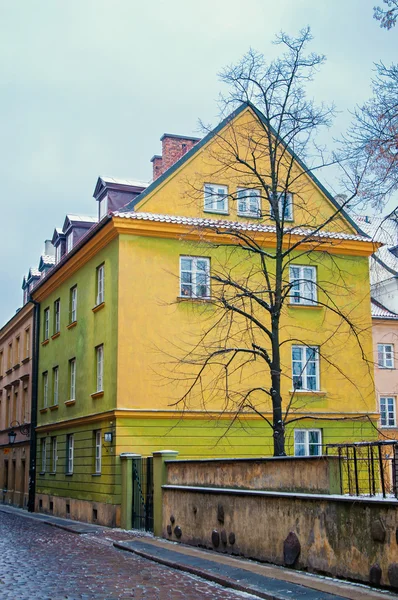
x: 132, y: 295
x: 16, y: 350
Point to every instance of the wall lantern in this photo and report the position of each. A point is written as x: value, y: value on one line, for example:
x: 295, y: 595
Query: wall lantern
x: 11, y: 436
x: 23, y: 429
x: 108, y: 437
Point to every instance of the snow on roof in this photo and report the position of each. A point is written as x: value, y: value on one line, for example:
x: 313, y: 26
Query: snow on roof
x: 47, y: 259
x: 235, y: 225
x: 81, y: 219
x: 118, y: 181
x: 381, y: 229
x: 33, y: 272
x: 381, y: 312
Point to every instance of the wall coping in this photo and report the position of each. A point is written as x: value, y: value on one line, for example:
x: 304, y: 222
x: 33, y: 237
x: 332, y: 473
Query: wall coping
x: 276, y: 494
x: 258, y: 459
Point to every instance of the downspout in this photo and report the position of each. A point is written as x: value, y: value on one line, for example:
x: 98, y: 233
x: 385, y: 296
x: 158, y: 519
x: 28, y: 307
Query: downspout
x: 33, y: 409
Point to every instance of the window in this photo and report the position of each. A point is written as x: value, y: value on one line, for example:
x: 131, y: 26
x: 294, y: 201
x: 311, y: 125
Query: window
x: 285, y: 206
x: 97, y: 451
x: 100, y: 284
x: 9, y: 358
x: 194, y: 277
x: 100, y: 368
x: 72, y: 379
x: 54, y: 456
x: 69, y: 241
x: 43, y: 455
x: 57, y: 316
x: 303, y: 285
x: 27, y: 342
x: 388, y: 412
x: 248, y: 202
x: 385, y: 356
x: 307, y: 442
x: 1, y: 364
x: 17, y: 349
x: 73, y: 304
x: 103, y: 207
x: 45, y: 389
x: 216, y: 198
x: 305, y: 367
x: 55, y: 386
x: 58, y: 253
x: 46, y: 331
x: 69, y: 454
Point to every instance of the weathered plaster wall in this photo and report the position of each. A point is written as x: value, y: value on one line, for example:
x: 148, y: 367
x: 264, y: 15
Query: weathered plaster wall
x: 337, y: 536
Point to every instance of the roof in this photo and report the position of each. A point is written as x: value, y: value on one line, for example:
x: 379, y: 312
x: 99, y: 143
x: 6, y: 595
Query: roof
x: 179, y: 137
x: 235, y: 225
x: 77, y: 220
x: 114, y: 182
x: 381, y: 312
x: 33, y: 272
x: 188, y: 155
x: 384, y: 263
x: 46, y: 261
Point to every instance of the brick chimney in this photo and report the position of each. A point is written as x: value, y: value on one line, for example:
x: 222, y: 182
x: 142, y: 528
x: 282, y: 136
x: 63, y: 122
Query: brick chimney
x: 173, y: 148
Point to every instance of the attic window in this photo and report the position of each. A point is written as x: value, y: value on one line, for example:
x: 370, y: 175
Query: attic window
x: 69, y: 241
x: 103, y: 207
x: 58, y: 253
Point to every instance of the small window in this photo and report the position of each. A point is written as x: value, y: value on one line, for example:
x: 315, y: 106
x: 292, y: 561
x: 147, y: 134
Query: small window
x: 100, y: 284
x: 388, y: 411
x: 103, y: 207
x: 69, y: 241
x: 305, y: 367
x: 100, y: 368
x: 1, y: 364
x: 194, y: 277
x: 72, y: 379
x: 307, y: 442
x: 73, y: 304
x: 58, y: 253
x: 17, y: 349
x: 303, y: 285
x: 55, y: 385
x: 385, y: 355
x: 57, y: 316
x: 285, y: 206
x: 248, y: 202
x: 69, y: 453
x: 45, y: 389
x: 27, y: 342
x: 54, y: 457
x: 46, y: 332
x: 9, y: 358
x: 43, y: 455
x: 98, y: 456
x: 216, y: 198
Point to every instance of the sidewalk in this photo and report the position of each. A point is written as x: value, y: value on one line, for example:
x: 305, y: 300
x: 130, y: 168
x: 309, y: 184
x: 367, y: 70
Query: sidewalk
x: 262, y: 580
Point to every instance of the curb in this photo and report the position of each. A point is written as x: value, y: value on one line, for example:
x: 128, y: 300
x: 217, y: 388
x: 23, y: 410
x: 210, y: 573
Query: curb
x: 75, y: 527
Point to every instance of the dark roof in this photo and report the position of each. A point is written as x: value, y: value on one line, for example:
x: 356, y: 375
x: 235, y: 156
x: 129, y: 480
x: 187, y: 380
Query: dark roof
x: 131, y: 205
x: 114, y: 183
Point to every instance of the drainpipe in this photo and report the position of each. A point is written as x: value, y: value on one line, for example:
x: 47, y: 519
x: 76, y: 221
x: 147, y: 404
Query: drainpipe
x: 33, y: 413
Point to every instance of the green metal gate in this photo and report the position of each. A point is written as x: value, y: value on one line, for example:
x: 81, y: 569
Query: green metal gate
x: 142, y: 505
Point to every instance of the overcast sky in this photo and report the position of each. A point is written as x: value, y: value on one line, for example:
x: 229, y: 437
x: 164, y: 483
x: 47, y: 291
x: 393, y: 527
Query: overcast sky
x: 87, y: 87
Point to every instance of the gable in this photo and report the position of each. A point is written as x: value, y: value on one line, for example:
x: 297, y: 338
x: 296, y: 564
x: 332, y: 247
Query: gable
x: 180, y: 190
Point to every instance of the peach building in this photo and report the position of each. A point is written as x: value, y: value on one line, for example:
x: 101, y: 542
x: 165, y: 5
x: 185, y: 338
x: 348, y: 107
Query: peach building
x: 16, y: 339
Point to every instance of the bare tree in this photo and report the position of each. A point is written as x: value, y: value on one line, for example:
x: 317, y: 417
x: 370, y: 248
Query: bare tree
x: 373, y: 137
x: 387, y: 15
x: 239, y: 354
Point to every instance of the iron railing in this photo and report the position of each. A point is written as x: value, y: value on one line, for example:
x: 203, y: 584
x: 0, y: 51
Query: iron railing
x: 367, y: 468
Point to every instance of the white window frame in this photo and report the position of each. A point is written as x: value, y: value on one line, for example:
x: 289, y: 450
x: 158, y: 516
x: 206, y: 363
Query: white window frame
x: 385, y: 358
x: 100, y: 368
x: 388, y: 414
x: 306, y: 442
x: 249, y: 202
x: 102, y: 207
x: 303, y: 290
x: 213, y: 196
x: 58, y: 253
x: 55, y: 385
x: 98, y: 451
x: 46, y: 323
x: 57, y: 316
x: 69, y: 453
x: 43, y: 455
x: 54, y: 455
x: 100, y: 284
x: 69, y: 241
x: 45, y: 389
x: 72, y: 381
x: 304, y: 362
x: 288, y: 208
x: 73, y: 304
x: 194, y: 271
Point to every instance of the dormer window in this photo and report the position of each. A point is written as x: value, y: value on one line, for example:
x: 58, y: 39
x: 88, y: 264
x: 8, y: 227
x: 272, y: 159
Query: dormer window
x: 69, y: 241
x: 57, y: 253
x: 103, y: 207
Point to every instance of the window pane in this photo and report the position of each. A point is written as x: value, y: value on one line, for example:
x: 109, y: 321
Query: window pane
x: 186, y: 264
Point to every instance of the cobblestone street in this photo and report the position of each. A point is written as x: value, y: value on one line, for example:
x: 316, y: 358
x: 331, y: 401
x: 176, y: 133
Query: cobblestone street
x: 42, y: 562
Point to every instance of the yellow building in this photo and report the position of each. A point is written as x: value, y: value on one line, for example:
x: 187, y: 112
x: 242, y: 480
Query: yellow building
x: 137, y: 295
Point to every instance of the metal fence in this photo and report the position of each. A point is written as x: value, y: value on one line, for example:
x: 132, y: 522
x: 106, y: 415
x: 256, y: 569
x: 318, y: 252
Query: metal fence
x: 367, y: 468
x: 142, y: 501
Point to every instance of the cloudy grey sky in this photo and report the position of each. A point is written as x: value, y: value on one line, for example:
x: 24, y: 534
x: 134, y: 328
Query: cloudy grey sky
x: 88, y: 86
